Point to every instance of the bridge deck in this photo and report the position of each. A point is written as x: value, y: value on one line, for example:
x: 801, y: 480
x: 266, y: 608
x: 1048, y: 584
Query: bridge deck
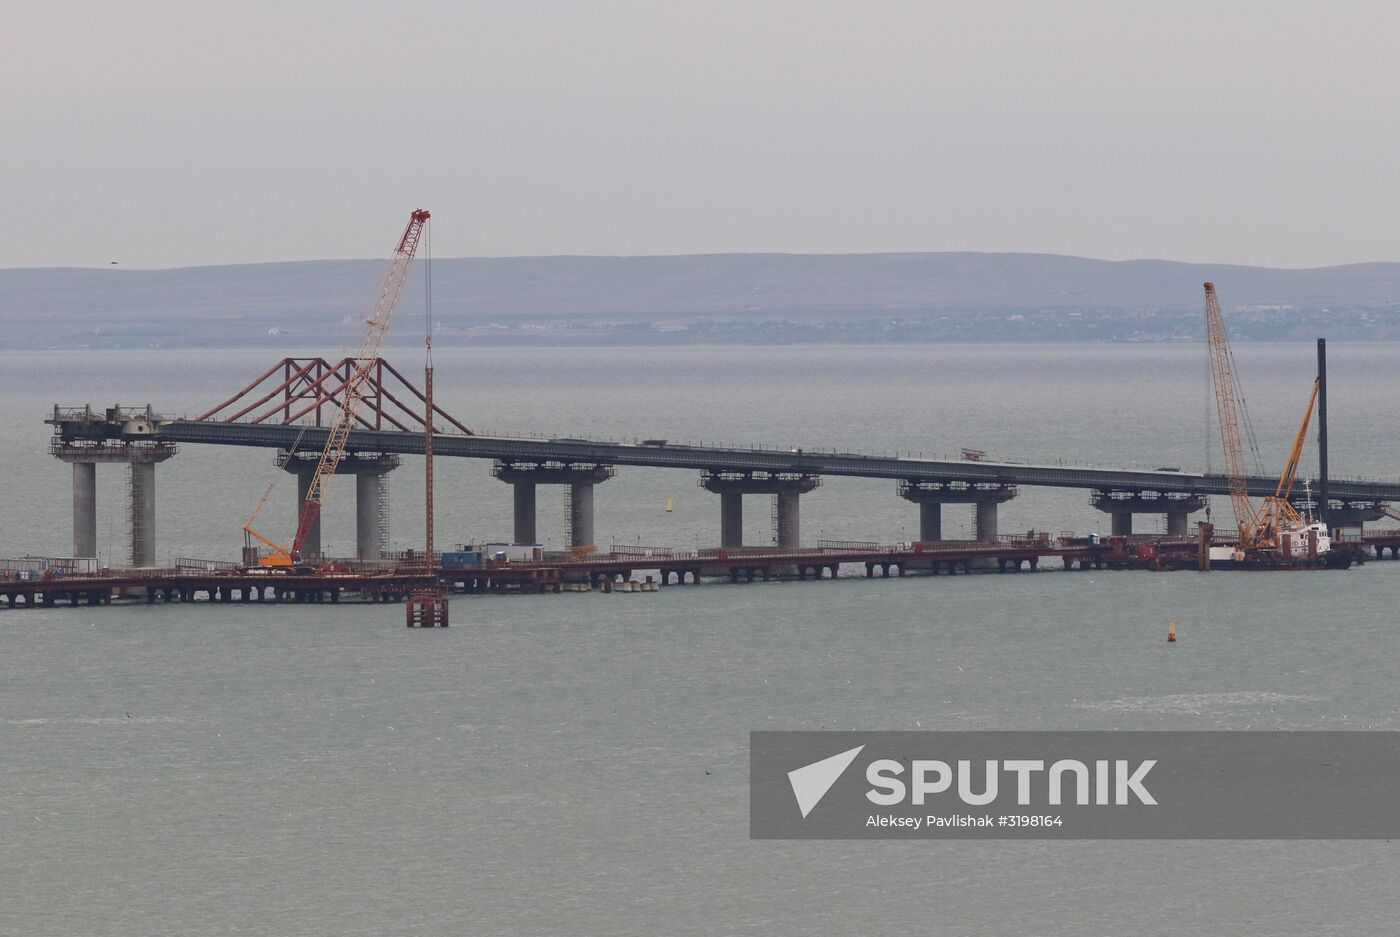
x: 755, y: 459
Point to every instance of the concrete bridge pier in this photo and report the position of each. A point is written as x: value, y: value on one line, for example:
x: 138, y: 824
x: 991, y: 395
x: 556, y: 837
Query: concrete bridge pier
x: 930, y: 494
x: 580, y: 477
x: 786, y: 489
x: 85, y: 509
x: 1120, y: 506
x: 930, y: 520
x: 140, y: 456
x: 523, y: 495
x: 369, y: 509
x: 143, y: 513
x: 305, y: 470
x: 789, y: 532
x: 984, y: 514
x: 372, y: 503
x: 581, y: 513
x: 1346, y: 513
x: 731, y: 519
x: 371, y: 471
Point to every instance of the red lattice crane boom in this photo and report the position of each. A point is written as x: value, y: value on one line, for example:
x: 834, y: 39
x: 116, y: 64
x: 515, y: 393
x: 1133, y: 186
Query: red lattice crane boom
x: 400, y: 263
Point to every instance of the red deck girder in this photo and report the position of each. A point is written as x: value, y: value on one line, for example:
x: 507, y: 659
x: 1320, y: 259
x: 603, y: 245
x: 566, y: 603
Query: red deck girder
x: 296, y: 388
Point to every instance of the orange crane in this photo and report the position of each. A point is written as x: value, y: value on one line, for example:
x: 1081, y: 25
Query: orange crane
x: 248, y: 531
x: 400, y: 263
x: 1258, y: 529
x: 1277, y: 513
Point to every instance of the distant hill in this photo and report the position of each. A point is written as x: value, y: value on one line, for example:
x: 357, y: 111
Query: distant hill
x: 839, y: 296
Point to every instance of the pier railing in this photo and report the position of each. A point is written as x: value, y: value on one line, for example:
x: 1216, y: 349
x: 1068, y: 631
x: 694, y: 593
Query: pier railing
x: 54, y: 567
x: 187, y: 565
x: 636, y: 550
x: 869, y: 546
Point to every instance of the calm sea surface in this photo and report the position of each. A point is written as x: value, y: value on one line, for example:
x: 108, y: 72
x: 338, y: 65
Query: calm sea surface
x: 577, y: 764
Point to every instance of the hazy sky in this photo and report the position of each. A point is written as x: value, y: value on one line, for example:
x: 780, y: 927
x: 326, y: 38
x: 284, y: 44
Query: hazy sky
x: 169, y: 134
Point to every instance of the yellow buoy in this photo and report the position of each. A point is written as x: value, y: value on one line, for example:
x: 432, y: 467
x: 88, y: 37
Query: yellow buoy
x: 1171, y: 632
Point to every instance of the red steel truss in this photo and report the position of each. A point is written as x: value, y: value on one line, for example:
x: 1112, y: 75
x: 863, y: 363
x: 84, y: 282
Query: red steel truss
x: 297, y: 389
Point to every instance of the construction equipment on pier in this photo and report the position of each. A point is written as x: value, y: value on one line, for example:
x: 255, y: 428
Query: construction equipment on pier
x: 400, y: 263
x: 250, y: 553
x: 1274, y: 531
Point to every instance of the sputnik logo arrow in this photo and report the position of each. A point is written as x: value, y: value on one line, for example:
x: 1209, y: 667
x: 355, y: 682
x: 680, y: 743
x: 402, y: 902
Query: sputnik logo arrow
x: 811, y: 782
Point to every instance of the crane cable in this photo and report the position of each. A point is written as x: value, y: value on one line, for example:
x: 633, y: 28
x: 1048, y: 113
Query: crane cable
x: 1251, y: 440
x: 276, y: 478
x: 1209, y: 402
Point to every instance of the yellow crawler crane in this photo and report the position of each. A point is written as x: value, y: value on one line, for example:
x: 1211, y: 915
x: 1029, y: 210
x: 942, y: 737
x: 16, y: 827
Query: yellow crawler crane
x: 281, y: 555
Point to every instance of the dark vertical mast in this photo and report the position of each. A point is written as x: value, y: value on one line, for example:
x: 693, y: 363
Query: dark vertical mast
x: 427, y: 605
x: 1322, y: 429
x: 428, y: 464
x: 428, y: 416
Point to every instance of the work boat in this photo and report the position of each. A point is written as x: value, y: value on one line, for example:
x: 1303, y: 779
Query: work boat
x: 1294, y: 539
x: 1300, y: 544
x: 1298, y: 541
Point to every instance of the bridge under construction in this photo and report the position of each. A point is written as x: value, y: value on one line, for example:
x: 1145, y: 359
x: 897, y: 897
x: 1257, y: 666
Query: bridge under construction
x: 288, y: 409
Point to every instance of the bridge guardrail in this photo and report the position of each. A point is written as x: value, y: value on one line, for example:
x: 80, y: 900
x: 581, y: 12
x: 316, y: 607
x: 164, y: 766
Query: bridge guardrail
x: 811, y: 461
x: 853, y: 545
x: 187, y: 564
x: 634, y: 550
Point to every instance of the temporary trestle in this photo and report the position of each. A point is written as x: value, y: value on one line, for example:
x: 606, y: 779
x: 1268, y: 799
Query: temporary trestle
x: 426, y: 608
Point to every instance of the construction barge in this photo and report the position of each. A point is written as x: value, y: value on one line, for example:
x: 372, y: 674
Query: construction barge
x: 36, y: 582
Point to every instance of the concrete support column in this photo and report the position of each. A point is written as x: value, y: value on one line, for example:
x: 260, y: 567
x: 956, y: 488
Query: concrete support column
x: 524, y: 493
x: 930, y: 494
x: 785, y: 487
x: 1177, y: 523
x: 581, y: 514
x: 143, y: 513
x: 1353, y: 514
x: 140, y: 456
x: 731, y: 519
x: 930, y: 521
x: 525, y: 477
x: 985, y: 518
x: 1120, y: 506
x: 789, y: 520
x: 370, y: 471
x: 367, y: 509
x: 85, y: 509
x: 311, y: 545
